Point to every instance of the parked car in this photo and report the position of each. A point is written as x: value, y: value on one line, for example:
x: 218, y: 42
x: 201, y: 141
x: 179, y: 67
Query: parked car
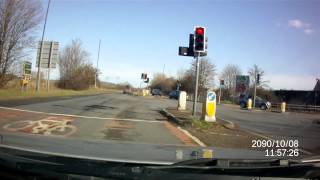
x: 156, y: 92
x: 174, y: 94
x: 259, y: 102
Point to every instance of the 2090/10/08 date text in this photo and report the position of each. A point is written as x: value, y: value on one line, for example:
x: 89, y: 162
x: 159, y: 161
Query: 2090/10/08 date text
x: 278, y: 148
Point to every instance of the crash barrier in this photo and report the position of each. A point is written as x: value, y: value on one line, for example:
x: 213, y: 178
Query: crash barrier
x: 294, y: 108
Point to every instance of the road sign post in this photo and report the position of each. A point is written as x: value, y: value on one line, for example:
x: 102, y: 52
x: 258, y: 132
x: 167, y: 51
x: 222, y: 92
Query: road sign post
x: 47, y: 57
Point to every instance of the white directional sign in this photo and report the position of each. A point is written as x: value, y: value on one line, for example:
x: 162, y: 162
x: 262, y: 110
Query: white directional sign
x: 50, y: 53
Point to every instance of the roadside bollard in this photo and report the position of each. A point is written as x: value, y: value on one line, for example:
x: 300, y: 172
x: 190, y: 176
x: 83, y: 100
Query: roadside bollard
x: 182, y: 102
x: 249, y: 104
x: 283, y: 107
x: 209, y: 107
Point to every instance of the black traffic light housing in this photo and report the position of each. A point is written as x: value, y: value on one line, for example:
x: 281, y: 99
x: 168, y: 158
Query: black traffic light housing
x: 222, y: 82
x: 258, y: 78
x: 199, y: 39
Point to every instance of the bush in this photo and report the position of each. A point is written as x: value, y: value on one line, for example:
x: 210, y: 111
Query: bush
x: 81, y: 79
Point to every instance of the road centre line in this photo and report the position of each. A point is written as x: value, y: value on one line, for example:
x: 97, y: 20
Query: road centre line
x: 78, y: 116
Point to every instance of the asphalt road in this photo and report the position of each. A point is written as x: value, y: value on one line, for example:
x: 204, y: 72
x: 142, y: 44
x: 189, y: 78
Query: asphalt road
x: 290, y: 126
x: 110, y: 116
x: 105, y: 124
x: 303, y: 127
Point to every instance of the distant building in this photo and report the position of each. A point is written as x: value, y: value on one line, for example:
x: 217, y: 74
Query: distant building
x: 299, y: 96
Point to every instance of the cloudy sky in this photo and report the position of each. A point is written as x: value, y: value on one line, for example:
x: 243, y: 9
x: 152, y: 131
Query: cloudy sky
x: 282, y: 37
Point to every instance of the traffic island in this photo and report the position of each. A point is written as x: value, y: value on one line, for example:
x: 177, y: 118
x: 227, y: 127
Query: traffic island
x: 221, y: 133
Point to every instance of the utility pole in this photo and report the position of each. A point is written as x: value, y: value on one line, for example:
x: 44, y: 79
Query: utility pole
x: 255, y: 88
x: 96, y: 75
x: 219, y: 94
x: 194, y: 108
x: 41, y: 46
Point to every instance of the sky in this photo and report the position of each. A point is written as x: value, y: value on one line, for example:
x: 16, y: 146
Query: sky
x: 281, y: 37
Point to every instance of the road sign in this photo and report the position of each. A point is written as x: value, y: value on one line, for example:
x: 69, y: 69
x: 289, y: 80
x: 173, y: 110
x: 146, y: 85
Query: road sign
x: 242, y: 84
x: 49, y: 54
x: 27, y: 67
x: 209, y: 107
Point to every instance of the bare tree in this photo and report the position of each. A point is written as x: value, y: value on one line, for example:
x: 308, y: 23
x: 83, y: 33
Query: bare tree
x: 229, y: 74
x: 18, y: 21
x: 207, y: 73
x: 75, y: 70
x: 253, y: 72
x: 165, y: 84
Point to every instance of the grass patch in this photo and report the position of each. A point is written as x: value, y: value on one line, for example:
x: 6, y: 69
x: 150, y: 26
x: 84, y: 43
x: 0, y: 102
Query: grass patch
x: 9, y: 94
x: 202, y: 125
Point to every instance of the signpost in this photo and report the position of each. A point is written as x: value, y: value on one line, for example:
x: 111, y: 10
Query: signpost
x: 26, y: 75
x: 26, y: 67
x: 242, y: 84
x: 49, y: 56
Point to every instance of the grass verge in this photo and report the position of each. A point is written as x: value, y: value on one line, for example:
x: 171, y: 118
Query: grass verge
x: 10, y: 94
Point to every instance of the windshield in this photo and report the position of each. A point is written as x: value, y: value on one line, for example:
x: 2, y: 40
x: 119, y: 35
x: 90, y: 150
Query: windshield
x: 161, y: 81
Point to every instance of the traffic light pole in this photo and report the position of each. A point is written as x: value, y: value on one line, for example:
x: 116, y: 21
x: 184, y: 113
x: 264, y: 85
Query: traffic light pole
x: 194, y: 108
x: 219, y: 95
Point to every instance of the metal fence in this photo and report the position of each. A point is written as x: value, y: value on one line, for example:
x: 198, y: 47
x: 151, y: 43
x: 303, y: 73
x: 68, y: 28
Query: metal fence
x: 295, y: 108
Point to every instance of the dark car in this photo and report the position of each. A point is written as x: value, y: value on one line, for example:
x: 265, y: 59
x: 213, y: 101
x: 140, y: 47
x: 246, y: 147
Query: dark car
x: 259, y: 102
x: 174, y: 94
x: 156, y: 92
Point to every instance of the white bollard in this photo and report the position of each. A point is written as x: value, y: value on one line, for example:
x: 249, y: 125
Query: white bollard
x: 209, y: 107
x: 182, y: 102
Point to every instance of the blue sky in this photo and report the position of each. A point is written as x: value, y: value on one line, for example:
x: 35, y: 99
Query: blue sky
x: 282, y: 37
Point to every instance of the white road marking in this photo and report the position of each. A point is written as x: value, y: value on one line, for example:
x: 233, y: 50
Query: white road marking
x: 195, y: 139
x: 78, y: 116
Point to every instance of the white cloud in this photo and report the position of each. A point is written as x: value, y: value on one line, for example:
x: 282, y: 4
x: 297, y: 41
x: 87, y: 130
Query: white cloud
x: 296, y: 23
x: 308, y: 31
x: 299, y: 24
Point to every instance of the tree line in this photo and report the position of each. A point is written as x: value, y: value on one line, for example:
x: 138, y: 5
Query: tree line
x: 207, y: 74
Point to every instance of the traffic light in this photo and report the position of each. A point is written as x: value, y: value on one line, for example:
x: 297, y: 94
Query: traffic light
x: 258, y: 78
x: 144, y: 76
x: 221, y: 82
x: 147, y: 80
x: 199, y: 39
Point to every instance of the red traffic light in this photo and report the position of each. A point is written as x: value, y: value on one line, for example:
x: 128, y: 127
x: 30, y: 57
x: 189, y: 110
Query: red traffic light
x: 199, y: 31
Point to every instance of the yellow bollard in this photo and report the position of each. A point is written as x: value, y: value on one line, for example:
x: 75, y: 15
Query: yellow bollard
x: 283, y: 107
x: 209, y: 107
x: 249, y: 104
